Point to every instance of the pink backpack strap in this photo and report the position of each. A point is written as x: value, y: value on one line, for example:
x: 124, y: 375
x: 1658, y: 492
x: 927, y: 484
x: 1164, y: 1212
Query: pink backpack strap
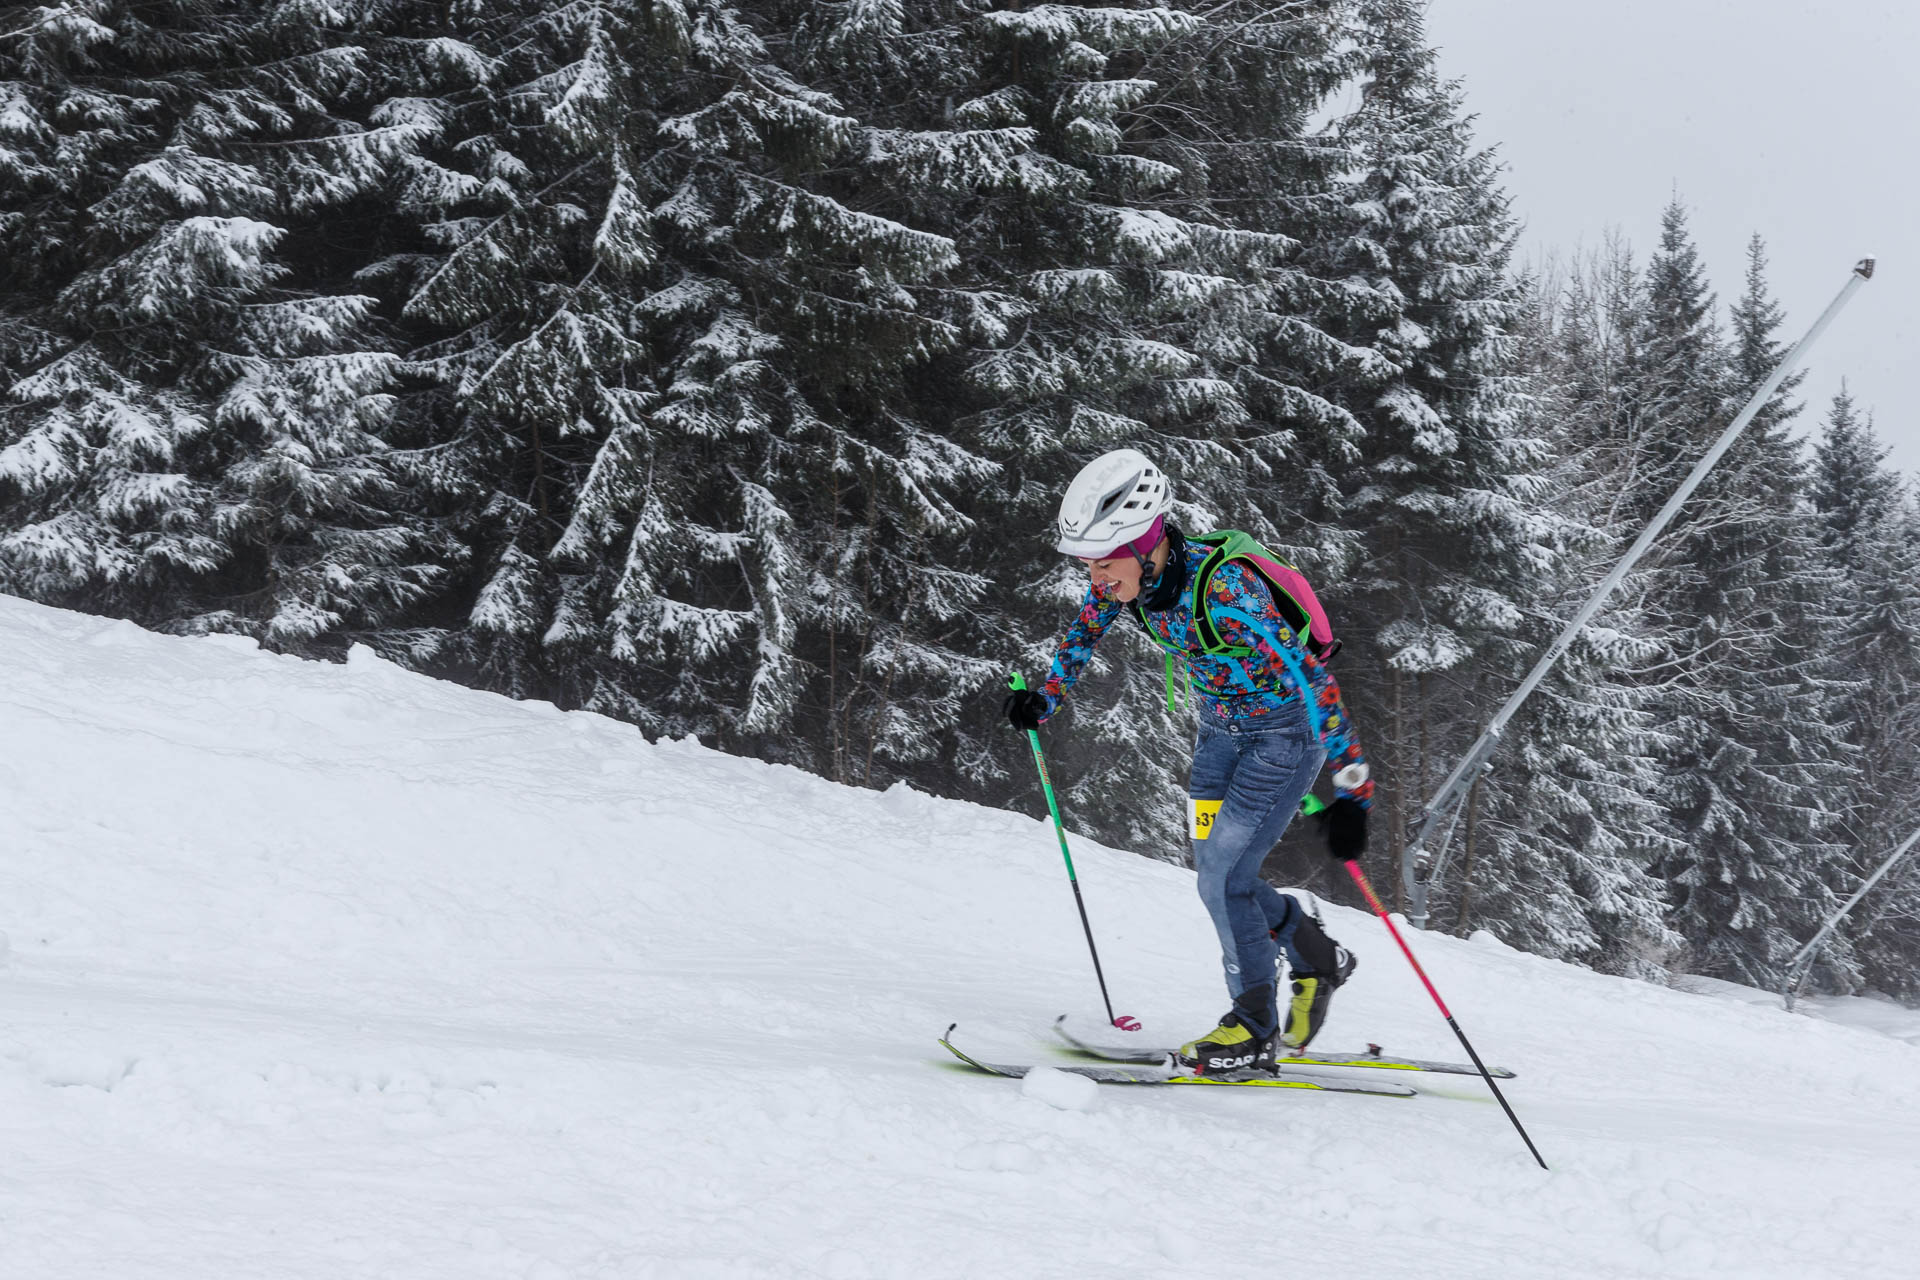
x: 1294, y: 583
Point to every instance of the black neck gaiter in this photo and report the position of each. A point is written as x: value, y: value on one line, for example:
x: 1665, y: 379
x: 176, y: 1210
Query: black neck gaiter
x: 1164, y: 591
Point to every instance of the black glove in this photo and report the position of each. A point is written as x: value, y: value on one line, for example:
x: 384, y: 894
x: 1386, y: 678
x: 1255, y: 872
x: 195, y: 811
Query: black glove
x: 1025, y: 708
x: 1345, y: 823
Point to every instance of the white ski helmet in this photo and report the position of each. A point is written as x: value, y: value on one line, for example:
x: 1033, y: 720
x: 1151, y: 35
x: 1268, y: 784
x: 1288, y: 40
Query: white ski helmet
x: 1112, y: 503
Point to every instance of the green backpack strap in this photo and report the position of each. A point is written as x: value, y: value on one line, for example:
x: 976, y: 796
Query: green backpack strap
x: 1224, y: 545
x: 1174, y: 653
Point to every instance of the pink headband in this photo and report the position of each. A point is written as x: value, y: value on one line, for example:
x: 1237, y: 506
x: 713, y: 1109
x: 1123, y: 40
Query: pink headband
x: 1142, y: 546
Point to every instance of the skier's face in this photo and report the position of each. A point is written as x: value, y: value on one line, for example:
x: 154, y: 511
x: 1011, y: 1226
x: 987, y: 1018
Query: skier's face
x: 1116, y: 576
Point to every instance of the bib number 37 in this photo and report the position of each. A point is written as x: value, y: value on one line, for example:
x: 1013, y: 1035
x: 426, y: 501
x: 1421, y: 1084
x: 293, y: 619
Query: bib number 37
x: 1202, y: 814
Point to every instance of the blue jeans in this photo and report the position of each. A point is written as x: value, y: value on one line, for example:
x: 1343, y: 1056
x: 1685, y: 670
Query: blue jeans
x: 1258, y: 769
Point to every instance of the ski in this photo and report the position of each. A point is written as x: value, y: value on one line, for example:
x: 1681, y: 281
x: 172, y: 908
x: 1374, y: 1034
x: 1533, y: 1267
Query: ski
x: 1142, y: 1075
x: 1371, y: 1057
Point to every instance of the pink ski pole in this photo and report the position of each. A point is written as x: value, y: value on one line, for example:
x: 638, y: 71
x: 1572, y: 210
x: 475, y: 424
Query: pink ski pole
x: 1373, y: 900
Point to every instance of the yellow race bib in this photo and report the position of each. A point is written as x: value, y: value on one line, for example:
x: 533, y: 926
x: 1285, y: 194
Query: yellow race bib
x: 1202, y: 813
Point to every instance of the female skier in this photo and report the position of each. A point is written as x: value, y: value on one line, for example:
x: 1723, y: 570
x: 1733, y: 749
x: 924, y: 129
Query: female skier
x: 1261, y: 742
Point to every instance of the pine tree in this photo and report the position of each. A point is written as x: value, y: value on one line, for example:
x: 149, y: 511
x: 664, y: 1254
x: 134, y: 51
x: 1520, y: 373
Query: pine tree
x: 1888, y: 933
x: 1757, y: 767
x: 1676, y: 383
x: 908, y: 613
x: 1440, y: 487
x: 1864, y: 522
x: 1556, y: 848
x: 1124, y: 278
x: 679, y: 342
x: 516, y: 294
x: 198, y: 425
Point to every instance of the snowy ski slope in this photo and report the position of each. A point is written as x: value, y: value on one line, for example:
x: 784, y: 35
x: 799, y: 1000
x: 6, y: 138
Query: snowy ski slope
x: 338, y: 972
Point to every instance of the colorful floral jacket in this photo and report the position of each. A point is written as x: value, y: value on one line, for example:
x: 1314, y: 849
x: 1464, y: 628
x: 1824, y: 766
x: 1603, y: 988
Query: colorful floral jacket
x: 1230, y: 688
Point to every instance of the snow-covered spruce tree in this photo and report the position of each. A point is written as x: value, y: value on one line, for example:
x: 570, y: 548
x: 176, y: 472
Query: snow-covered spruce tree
x: 1655, y: 384
x: 1888, y: 932
x: 1456, y: 533
x: 1555, y: 853
x: 821, y: 304
x: 678, y: 359
x: 516, y: 292
x: 1865, y: 529
x: 195, y: 425
x: 1095, y: 363
x: 1110, y: 291
x: 1755, y: 757
x: 1675, y: 386
x: 915, y: 690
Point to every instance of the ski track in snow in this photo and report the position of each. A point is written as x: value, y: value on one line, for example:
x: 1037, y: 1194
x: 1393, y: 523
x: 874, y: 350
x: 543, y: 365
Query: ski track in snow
x: 334, y: 971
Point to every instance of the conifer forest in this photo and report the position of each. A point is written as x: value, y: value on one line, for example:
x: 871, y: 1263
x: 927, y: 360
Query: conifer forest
x: 717, y: 365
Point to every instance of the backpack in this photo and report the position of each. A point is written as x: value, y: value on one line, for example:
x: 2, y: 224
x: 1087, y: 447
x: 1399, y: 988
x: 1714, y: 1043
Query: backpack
x: 1292, y: 595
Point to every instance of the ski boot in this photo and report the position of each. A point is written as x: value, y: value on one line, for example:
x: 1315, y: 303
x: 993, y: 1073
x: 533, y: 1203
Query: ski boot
x: 1234, y: 1045
x: 1330, y: 965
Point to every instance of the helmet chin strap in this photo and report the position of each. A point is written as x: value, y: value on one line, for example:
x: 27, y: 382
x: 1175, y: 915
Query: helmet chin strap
x: 1149, y: 578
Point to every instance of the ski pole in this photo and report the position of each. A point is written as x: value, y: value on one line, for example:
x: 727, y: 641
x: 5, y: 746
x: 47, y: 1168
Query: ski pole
x: 1053, y: 806
x: 1373, y: 900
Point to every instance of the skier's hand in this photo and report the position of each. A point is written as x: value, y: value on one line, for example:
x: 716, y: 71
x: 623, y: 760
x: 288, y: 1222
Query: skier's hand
x: 1345, y: 823
x: 1026, y: 708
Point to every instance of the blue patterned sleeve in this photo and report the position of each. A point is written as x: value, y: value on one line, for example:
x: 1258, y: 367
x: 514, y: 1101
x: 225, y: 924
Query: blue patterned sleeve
x: 1076, y: 647
x: 1235, y: 589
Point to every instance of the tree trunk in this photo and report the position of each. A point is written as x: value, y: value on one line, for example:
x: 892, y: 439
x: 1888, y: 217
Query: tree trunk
x: 1401, y: 807
x: 1465, y: 917
x: 836, y: 746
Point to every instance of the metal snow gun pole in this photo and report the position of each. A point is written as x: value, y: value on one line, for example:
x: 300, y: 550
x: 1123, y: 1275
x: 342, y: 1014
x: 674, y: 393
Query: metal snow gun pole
x: 1802, y: 963
x: 1421, y: 869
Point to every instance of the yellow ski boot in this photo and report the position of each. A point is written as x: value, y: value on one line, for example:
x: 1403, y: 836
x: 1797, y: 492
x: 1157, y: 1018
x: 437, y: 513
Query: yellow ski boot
x: 1312, y: 993
x: 1234, y: 1045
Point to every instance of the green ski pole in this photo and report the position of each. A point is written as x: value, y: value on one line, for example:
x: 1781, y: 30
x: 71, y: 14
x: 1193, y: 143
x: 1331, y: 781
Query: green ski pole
x: 1053, y: 806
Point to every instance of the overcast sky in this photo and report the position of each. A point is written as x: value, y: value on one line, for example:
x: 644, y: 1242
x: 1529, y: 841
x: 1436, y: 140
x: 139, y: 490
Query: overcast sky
x: 1797, y: 120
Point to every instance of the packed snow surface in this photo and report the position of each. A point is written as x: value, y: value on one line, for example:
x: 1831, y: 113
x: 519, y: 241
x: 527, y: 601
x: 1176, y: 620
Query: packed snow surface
x: 334, y: 971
